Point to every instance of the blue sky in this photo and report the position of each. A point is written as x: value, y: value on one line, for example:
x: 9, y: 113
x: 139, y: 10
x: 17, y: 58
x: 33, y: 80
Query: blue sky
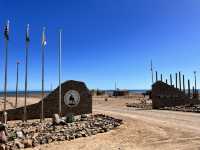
x: 103, y: 40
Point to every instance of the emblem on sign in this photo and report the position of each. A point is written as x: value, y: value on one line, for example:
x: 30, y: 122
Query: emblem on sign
x: 72, y: 98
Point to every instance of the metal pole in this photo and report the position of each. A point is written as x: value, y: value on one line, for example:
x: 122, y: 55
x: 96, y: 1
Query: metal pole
x: 171, y: 79
x: 180, y: 81
x: 176, y: 80
x: 5, y: 80
x: 60, y: 49
x: 42, y: 108
x: 183, y: 83
x: 166, y: 81
x: 189, y: 88
x: 26, y: 83
x: 161, y: 77
x: 26, y: 72
x: 43, y: 48
x: 16, y: 92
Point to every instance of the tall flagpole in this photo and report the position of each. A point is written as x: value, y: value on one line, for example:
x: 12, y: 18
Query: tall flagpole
x: 43, y: 47
x: 6, y: 35
x: 16, y: 92
x: 26, y: 72
x: 60, y: 50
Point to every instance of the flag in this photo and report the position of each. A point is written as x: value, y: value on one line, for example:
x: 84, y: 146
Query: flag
x: 6, y: 30
x: 27, y: 34
x: 44, y: 42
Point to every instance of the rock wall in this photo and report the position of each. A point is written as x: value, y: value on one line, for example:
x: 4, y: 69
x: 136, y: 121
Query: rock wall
x: 164, y: 95
x: 51, y: 103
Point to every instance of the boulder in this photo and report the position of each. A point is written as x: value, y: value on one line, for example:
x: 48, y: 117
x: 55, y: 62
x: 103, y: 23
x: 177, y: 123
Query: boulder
x: 27, y: 143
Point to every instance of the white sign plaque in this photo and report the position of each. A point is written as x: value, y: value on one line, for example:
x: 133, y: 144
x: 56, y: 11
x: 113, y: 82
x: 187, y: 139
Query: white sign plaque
x: 72, y: 98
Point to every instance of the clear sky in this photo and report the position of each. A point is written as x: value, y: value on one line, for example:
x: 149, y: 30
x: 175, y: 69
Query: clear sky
x: 103, y: 40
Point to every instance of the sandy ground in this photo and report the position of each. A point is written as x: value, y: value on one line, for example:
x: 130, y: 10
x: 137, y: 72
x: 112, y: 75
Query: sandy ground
x: 142, y: 129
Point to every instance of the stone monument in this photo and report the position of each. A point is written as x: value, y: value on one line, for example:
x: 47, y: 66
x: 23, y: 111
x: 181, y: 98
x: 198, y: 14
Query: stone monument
x: 76, y: 99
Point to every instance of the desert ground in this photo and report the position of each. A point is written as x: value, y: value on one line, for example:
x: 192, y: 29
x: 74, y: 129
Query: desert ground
x: 141, y: 129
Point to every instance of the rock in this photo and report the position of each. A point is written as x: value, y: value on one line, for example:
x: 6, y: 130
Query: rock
x: 43, y: 141
x: 27, y: 143
x: 35, y: 143
x: 49, y: 140
x: 70, y: 118
x: 25, y: 131
x: 2, y: 147
x: 83, y: 116
x: 61, y: 138
x: 35, y: 134
x: 19, y: 145
x: 56, y: 119
x: 12, y: 136
x: 3, y: 137
x: 71, y: 137
x: 2, y: 127
x: 19, y: 134
x: 67, y: 137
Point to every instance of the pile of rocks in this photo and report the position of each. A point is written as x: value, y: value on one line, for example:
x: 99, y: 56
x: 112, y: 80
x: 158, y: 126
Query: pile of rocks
x: 184, y: 108
x: 30, y: 134
x: 139, y: 105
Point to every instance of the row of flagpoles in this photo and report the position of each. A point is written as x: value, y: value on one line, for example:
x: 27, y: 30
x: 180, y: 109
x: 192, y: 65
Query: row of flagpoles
x: 43, y: 45
x: 152, y: 77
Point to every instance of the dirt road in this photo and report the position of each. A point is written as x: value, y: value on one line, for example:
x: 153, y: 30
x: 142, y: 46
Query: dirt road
x: 142, y: 130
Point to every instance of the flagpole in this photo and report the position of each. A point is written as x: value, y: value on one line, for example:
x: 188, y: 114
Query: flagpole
x: 6, y: 32
x: 60, y: 49
x: 17, y: 76
x: 5, y: 80
x: 43, y: 47
x: 26, y: 76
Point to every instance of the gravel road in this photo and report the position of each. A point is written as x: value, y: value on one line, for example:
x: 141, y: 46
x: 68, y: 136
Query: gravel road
x: 142, y: 130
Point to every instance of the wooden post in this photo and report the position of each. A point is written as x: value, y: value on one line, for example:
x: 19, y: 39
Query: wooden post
x: 176, y: 80
x: 189, y: 88
x: 183, y: 84
x: 193, y: 91
x: 195, y: 82
x: 171, y: 79
x: 156, y: 76
x: 180, y: 81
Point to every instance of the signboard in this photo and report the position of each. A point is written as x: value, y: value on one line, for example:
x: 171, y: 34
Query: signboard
x: 72, y: 98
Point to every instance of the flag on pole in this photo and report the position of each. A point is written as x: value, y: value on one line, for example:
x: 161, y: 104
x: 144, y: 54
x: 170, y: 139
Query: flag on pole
x: 44, y: 42
x: 6, y: 30
x: 27, y: 34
